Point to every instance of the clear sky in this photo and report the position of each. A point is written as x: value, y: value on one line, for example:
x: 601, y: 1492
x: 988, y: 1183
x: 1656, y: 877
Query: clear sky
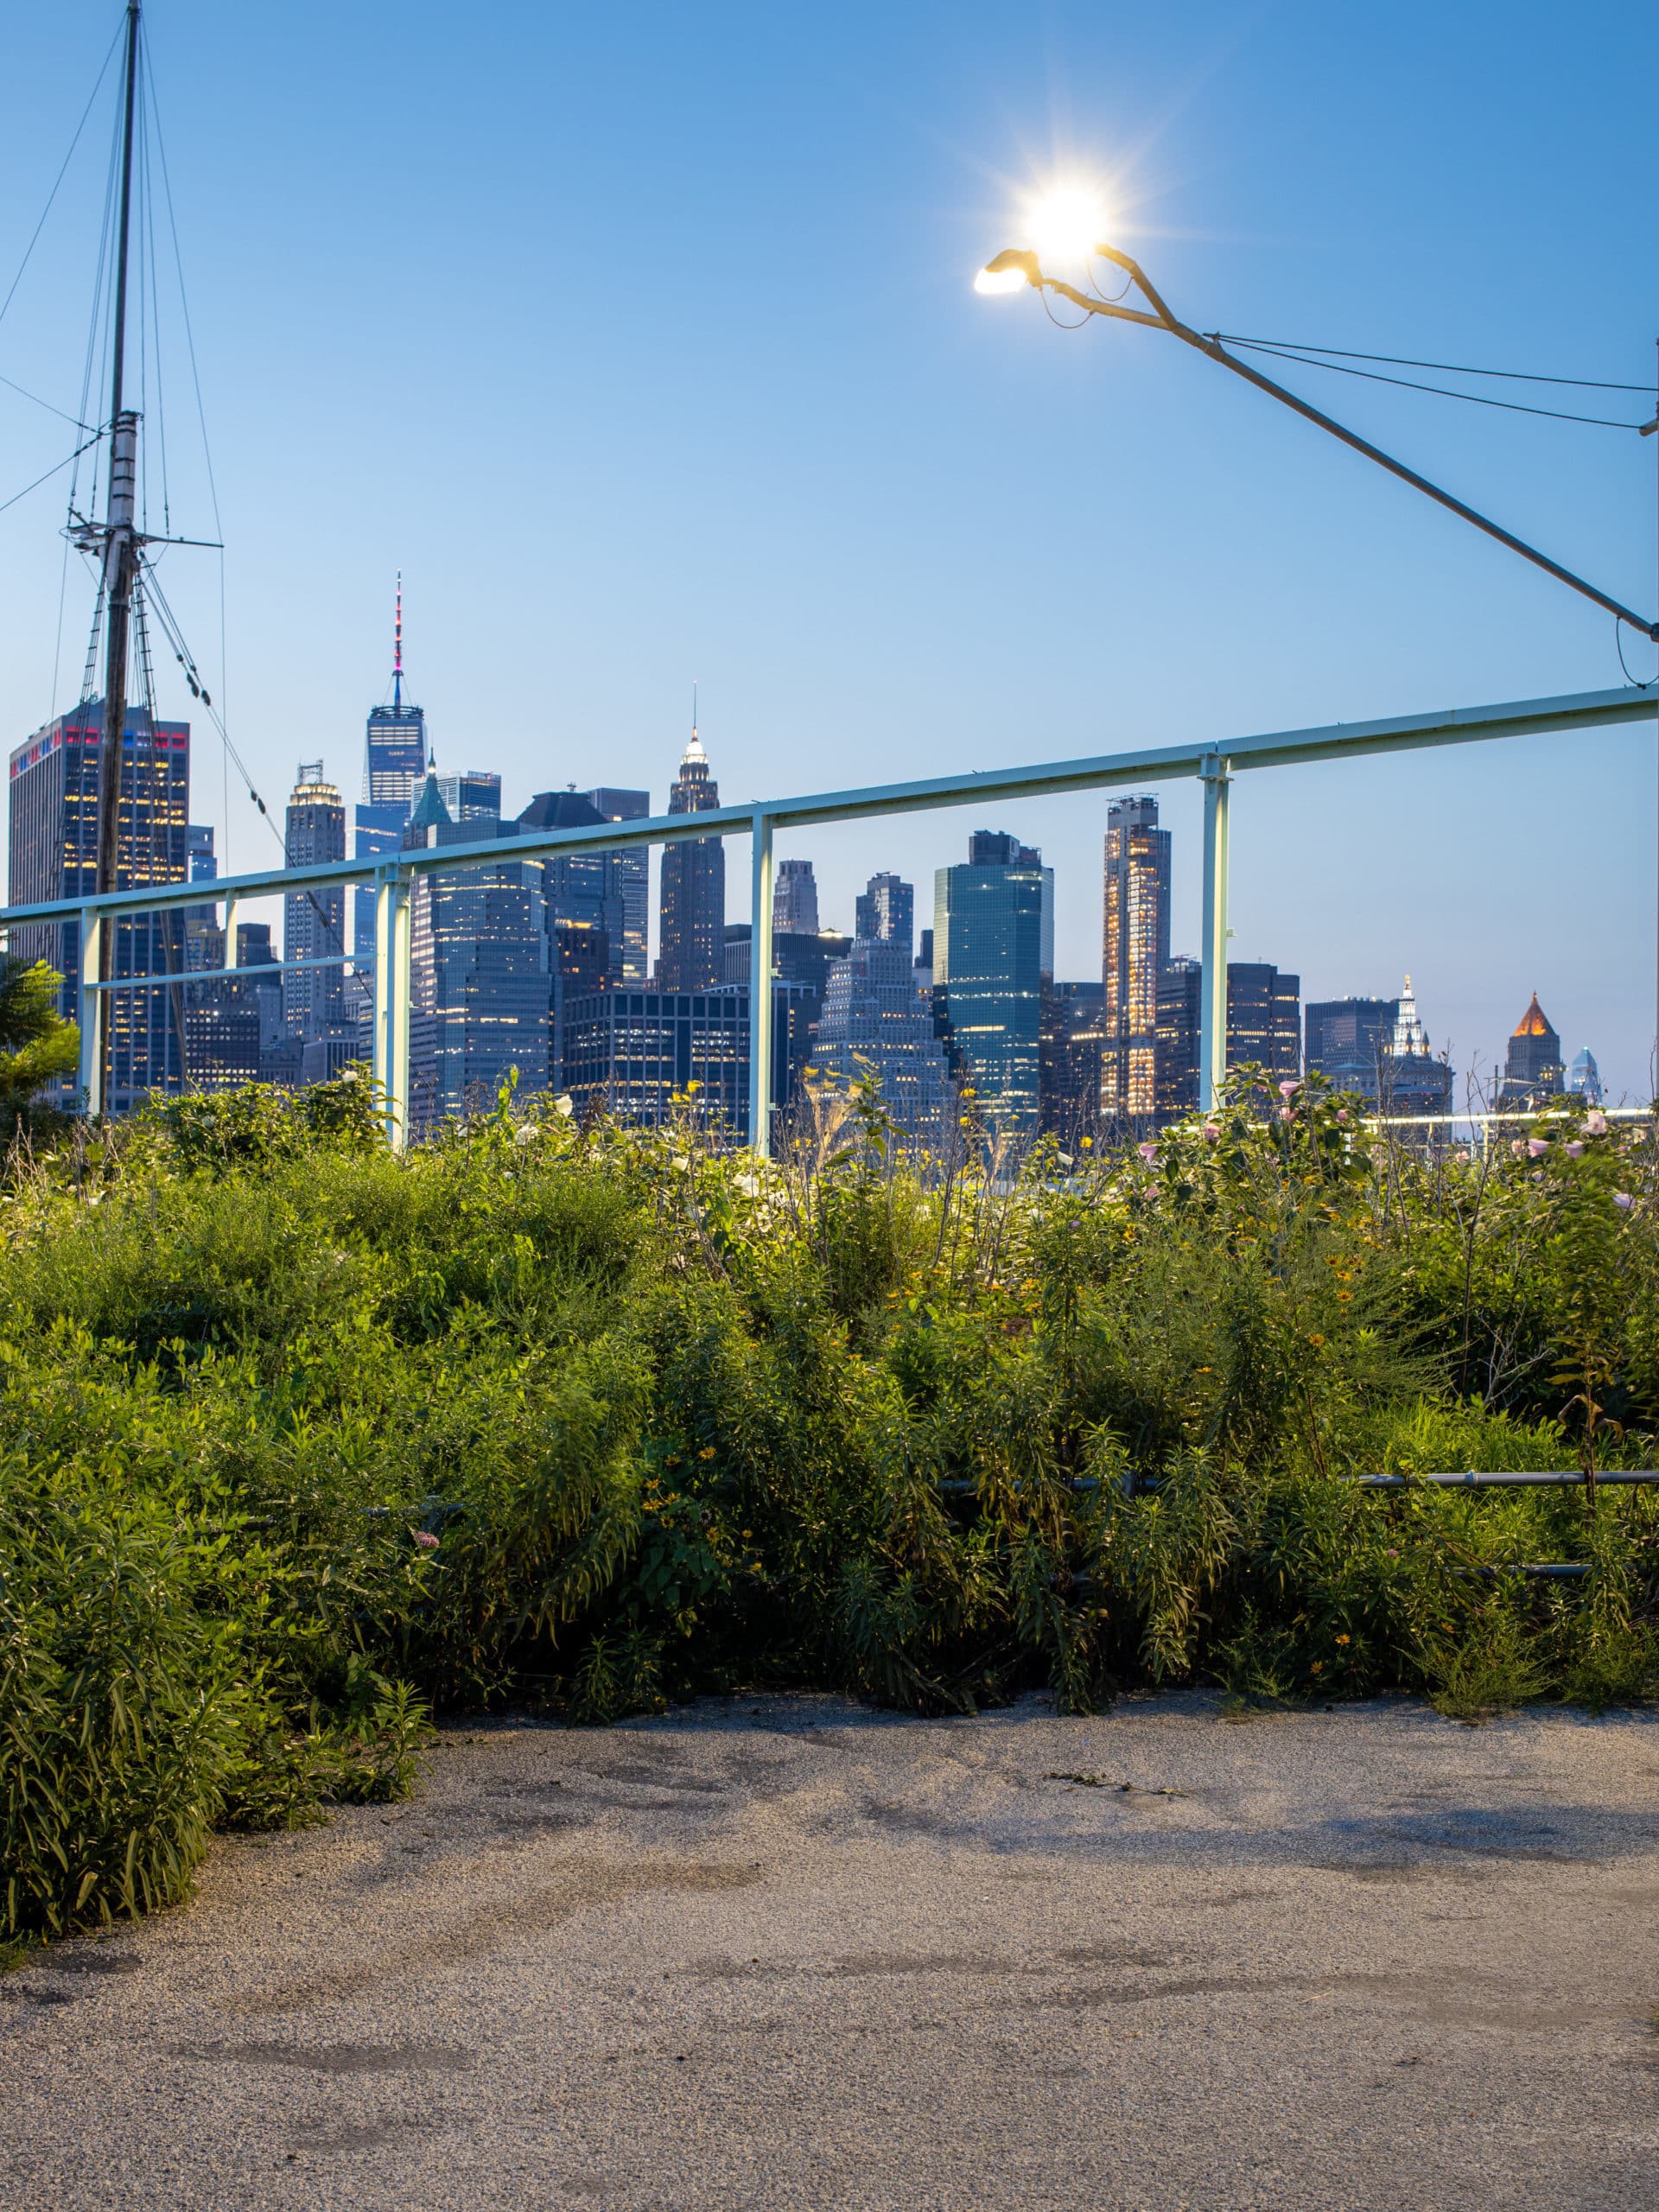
x: 643, y: 340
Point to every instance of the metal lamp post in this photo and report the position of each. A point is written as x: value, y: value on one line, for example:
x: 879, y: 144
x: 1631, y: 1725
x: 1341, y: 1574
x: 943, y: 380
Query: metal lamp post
x: 1017, y: 268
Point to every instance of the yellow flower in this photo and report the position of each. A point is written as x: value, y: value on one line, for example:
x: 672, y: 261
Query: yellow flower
x: 707, y: 1452
x: 1344, y: 1639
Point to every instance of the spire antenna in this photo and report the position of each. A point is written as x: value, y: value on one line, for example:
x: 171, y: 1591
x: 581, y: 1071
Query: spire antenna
x: 397, y: 650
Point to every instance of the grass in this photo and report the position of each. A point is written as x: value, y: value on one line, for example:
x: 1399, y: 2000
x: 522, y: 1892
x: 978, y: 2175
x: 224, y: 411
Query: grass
x: 300, y: 1443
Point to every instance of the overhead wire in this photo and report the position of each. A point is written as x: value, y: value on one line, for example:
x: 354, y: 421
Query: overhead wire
x: 1443, y: 368
x: 52, y: 195
x: 1410, y: 383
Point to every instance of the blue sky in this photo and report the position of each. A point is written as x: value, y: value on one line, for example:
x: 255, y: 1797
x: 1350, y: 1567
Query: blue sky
x: 642, y: 339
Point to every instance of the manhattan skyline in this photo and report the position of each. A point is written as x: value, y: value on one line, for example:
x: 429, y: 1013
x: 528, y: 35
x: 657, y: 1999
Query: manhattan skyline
x: 864, y: 504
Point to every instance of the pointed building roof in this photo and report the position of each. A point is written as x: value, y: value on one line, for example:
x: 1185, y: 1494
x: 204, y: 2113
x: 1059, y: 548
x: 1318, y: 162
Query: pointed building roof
x: 1534, y: 1022
x: 429, y: 811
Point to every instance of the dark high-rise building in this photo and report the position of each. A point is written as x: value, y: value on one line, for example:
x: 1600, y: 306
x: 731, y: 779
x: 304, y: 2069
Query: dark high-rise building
x: 872, y: 1023
x: 628, y: 1052
x: 693, y: 924
x: 583, y: 902
x: 1264, y: 1019
x: 313, y: 922
x: 394, y: 766
x: 480, y: 986
x: 473, y: 796
x: 1135, y: 952
x: 886, y: 912
x: 1584, y: 1077
x: 796, y: 958
x: 993, y: 965
x: 1347, y: 1038
x: 1180, y: 1015
x: 794, y: 899
x: 630, y: 872
x: 1074, y: 1038
x: 1532, y: 1070
x: 53, y: 854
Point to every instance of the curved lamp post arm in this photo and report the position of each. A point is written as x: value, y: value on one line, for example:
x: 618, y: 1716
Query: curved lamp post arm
x: 1027, y: 264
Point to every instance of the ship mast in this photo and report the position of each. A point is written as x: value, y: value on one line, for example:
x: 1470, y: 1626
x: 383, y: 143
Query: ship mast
x: 120, y: 567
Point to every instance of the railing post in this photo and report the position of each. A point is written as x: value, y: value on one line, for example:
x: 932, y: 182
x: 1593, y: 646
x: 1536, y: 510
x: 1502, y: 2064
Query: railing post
x: 401, y: 920
x: 1212, y: 1026
x: 760, y: 990
x: 380, y: 1046
x: 91, y: 1076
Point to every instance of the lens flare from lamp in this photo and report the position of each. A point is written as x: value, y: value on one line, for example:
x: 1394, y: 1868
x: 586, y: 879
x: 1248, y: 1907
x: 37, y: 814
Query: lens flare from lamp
x: 999, y: 280
x: 1067, y: 223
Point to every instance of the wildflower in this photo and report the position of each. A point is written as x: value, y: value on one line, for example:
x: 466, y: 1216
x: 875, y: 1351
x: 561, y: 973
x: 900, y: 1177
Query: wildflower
x: 526, y: 1133
x: 1342, y: 1113
x: 425, y: 1539
x: 1596, y: 1123
x: 1574, y: 1150
x: 1212, y: 1134
x: 707, y: 1452
x: 1461, y: 1154
x: 1344, y: 1639
x: 749, y: 1185
x: 1622, y: 1200
x: 1147, y: 1152
x: 679, y: 1160
x: 1318, y: 1668
x: 1074, y: 1224
x: 1518, y: 1146
x: 1286, y: 1113
x: 1537, y: 1147
x: 1086, y: 1144
x: 1316, y: 1341
x: 1288, y: 1090
x: 564, y: 1106
x: 1391, y: 1554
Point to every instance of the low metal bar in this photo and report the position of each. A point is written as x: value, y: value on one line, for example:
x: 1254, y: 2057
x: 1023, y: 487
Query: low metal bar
x: 1472, y: 1481
x: 761, y: 1005
x: 381, y: 1020
x: 397, y: 1056
x: 1281, y: 748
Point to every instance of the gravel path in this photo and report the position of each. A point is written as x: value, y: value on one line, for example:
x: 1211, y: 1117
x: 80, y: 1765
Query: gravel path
x: 795, y: 1954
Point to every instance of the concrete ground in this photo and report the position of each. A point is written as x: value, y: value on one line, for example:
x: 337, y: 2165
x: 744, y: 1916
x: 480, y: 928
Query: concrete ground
x: 794, y: 1953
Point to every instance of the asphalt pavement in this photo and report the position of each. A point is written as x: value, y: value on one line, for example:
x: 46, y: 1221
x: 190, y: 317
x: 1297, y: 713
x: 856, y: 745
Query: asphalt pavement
x: 785, y: 1953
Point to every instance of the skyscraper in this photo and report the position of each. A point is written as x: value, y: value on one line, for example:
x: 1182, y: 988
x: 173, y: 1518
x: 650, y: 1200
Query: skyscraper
x: 1584, y: 1077
x: 1135, y: 951
x: 474, y: 795
x: 993, y: 963
x: 631, y: 871
x: 480, y: 986
x: 884, y: 913
x: 1533, y: 1070
x: 794, y: 899
x: 394, y: 760
x: 1264, y: 1018
x: 627, y: 1052
x: 692, y: 927
x: 1347, y: 1040
x: 872, y: 1023
x: 53, y: 854
x: 1073, y: 1037
x: 1180, y: 1017
x: 313, y: 922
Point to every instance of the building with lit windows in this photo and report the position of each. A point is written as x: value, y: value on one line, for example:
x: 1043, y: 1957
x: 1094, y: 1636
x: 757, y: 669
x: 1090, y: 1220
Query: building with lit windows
x: 631, y: 874
x: 993, y: 964
x: 1134, y: 953
x: 1532, y: 1068
x: 481, y: 990
x: 53, y: 854
x: 627, y: 1052
x: 794, y: 899
x: 691, y: 931
x: 313, y: 922
x: 871, y: 1023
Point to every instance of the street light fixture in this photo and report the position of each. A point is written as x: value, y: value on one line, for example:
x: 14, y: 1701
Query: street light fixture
x: 1017, y: 267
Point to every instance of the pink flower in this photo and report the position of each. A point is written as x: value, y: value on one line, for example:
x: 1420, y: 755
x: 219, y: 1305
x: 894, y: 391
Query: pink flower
x: 1212, y: 1134
x: 1288, y: 1090
x: 1342, y: 1113
x: 1286, y: 1113
x: 1147, y: 1152
x: 1518, y: 1146
x: 1460, y: 1153
x: 1596, y: 1122
x: 1574, y: 1150
x: 425, y: 1539
x: 1537, y: 1147
x: 1624, y: 1200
